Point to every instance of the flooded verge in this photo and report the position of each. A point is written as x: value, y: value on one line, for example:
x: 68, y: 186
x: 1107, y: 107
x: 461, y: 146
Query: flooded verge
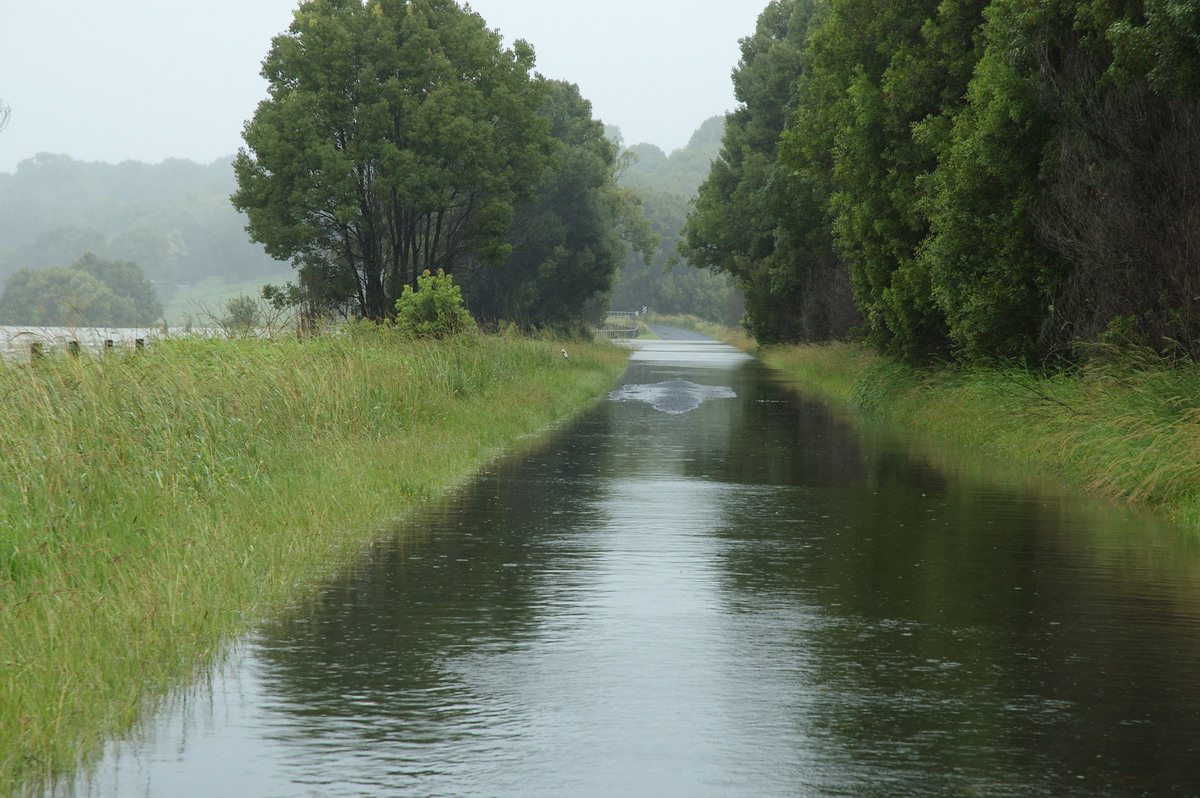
x: 711, y: 585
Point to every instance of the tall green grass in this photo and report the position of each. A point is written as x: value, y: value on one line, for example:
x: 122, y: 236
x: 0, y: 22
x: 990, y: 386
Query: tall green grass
x: 1124, y: 425
x: 153, y: 505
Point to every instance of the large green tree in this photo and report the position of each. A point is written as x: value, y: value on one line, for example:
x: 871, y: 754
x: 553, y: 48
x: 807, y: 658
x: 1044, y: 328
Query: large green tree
x: 568, y: 242
x: 883, y: 82
x: 397, y: 138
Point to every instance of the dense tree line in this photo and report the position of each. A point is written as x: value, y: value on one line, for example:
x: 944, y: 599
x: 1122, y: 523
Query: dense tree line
x: 963, y: 178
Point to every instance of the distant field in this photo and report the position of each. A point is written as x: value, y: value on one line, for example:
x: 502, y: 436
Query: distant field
x: 206, y: 299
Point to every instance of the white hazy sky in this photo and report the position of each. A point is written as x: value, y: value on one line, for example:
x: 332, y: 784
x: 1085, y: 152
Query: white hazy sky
x: 111, y: 80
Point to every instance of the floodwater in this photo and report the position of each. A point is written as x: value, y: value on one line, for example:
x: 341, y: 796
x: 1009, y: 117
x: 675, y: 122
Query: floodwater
x: 710, y: 585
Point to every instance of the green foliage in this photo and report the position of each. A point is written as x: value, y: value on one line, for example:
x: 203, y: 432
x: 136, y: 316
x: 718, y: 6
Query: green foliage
x: 884, y: 80
x: 569, y: 239
x: 434, y: 310
x: 241, y: 312
x: 397, y: 137
x: 90, y: 292
x: 762, y: 220
x: 991, y: 278
x: 1158, y: 43
x: 994, y: 179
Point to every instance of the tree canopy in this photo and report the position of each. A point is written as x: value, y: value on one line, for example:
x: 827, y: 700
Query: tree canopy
x: 398, y: 137
x: 90, y: 292
x: 991, y: 178
x: 568, y: 241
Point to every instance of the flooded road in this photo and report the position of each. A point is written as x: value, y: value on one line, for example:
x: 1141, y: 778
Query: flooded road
x: 709, y: 585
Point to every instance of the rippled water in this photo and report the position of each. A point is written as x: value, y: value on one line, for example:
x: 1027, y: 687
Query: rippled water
x: 711, y: 586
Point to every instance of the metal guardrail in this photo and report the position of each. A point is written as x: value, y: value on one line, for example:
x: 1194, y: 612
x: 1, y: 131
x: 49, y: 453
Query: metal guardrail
x: 618, y: 324
x: 619, y: 332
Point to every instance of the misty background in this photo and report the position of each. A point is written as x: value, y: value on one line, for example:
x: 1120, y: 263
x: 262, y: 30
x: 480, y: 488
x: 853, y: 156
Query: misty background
x: 125, y: 117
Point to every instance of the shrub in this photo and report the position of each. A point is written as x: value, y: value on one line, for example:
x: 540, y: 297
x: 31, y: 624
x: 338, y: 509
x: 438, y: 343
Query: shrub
x: 241, y: 313
x: 435, y: 309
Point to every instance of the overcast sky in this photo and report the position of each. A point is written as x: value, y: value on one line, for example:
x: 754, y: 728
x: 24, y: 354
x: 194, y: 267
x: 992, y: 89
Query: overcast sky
x: 111, y: 80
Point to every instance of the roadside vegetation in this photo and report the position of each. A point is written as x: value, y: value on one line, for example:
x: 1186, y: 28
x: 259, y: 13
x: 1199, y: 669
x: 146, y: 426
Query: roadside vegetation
x: 1125, y: 425
x: 970, y: 182
x: 998, y: 199
x: 154, y: 504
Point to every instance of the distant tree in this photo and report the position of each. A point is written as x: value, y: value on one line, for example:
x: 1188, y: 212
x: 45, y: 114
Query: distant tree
x: 683, y: 170
x: 241, y: 312
x: 667, y: 184
x: 128, y: 281
x: 53, y: 248
x: 90, y: 292
x: 61, y: 297
x: 668, y: 284
x: 157, y: 249
x: 397, y: 138
x: 173, y: 218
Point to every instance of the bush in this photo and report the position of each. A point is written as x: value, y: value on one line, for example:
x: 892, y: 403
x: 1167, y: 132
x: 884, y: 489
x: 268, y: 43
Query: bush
x: 435, y: 309
x: 241, y: 313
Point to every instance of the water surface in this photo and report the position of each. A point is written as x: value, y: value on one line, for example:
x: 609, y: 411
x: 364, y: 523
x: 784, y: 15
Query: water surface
x: 710, y: 585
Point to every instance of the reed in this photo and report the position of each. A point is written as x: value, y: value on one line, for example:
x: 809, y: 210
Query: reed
x: 153, y: 505
x: 1125, y: 425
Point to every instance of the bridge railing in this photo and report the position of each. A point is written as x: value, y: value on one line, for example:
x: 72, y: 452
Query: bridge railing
x: 621, y: 324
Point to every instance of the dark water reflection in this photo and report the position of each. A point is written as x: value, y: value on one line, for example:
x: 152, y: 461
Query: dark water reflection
x: 750, y: 598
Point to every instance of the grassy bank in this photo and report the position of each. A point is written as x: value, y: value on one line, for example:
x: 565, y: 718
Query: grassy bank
x: 153, y: 505
x: 1123, y: 426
